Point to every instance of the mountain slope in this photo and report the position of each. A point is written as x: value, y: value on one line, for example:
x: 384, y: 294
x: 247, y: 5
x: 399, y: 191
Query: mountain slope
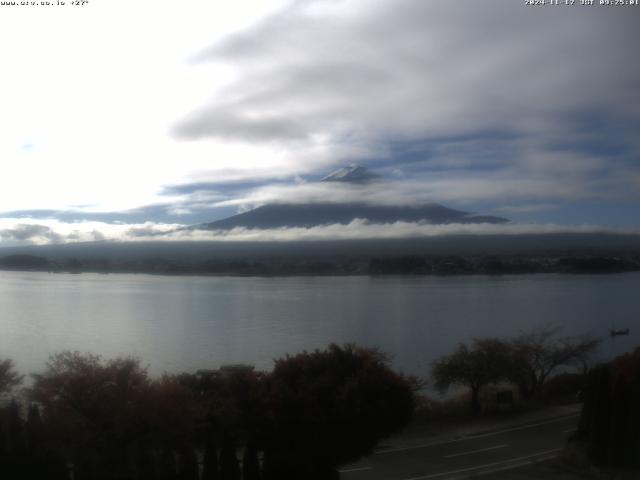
x: 353, y: 173
x: 309, y: 215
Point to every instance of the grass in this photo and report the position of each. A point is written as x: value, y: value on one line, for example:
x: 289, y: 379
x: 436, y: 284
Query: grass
x: 559, y: 390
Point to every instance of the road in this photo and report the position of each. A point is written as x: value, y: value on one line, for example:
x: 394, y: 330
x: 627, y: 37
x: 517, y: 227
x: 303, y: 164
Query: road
x: 473, y: 455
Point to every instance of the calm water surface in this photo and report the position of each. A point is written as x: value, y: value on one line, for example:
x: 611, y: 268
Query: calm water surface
x: 185, y: 323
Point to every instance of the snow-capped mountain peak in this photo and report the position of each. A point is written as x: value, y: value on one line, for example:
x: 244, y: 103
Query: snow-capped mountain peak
x: 353, y: 173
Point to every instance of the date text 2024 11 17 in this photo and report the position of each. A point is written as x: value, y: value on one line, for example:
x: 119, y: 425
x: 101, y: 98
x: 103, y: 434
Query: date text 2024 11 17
x: 582, y: 2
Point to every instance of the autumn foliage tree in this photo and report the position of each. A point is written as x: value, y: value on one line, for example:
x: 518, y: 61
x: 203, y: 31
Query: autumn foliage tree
x: 110, y: 420
x: 474, y: 366
x: 91, y: 409
x: 168, y: 412
x: 235, y: 401
x: 23, y: 454
x: 9, y: 378
x: 330, y: 407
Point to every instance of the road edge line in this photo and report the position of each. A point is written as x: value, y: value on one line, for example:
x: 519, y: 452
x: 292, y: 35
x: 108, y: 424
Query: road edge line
x: 475, y: 436
x: 470, y: 469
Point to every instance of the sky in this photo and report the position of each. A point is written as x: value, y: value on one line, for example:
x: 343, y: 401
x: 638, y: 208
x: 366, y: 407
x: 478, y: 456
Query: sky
x: 121, y: 117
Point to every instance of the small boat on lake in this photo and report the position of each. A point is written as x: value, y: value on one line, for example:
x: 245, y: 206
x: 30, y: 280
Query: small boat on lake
x: 615, y: 333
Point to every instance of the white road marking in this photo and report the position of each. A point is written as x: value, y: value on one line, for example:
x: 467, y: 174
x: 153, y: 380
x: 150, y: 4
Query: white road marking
x: 475, y: 451
x: 359, y: 469
x: 478, y: 467
x: 570, y: 430
x: 473, y: 437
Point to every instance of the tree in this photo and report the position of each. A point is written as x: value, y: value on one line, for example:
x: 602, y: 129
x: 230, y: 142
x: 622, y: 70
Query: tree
x: 234, y: 401
x: 250, y: 462
x: 9, y: 378
x: 169, y: 413
x: 188, y: 464
x: 536, y: 355
x: 210, y: 460
x: 330, y: 407
x: 314, y: 412
x: 229, y: 468
x: 608, y: 427
x: 93, y: 407
x: 476, y: 366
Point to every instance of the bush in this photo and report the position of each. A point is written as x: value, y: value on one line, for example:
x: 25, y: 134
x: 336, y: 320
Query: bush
x: 429, y: 410
x: 563, y: 388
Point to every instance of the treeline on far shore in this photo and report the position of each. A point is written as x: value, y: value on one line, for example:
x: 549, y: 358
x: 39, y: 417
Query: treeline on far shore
x: 382, y: 265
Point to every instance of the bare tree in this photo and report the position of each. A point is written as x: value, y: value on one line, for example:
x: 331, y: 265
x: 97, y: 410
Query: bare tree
x: 536, y: 355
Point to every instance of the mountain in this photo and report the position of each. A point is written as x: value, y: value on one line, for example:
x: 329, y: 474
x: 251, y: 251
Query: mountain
x: 310, y: 215
x: 280, y: 215
x: 353, y: 173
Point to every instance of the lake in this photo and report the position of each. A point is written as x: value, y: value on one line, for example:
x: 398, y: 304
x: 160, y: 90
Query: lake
x: 185, y: 323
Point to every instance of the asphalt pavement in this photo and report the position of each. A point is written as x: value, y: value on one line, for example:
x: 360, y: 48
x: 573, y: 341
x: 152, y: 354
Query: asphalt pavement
x: 504, y: 448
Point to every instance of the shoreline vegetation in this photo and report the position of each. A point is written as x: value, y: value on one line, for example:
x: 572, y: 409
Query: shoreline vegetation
x: 102, y: 419
x: 347, y: 266
x: 90, y: 418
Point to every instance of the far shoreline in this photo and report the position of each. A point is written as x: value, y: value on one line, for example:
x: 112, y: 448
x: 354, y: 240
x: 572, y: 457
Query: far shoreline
x: 463, y: 267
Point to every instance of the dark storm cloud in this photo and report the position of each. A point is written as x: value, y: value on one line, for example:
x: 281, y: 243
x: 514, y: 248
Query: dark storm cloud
x: 537, y: 95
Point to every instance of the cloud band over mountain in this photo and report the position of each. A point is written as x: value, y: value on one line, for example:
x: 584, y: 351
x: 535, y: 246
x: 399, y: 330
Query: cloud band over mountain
x: 53, y: 232
x: 491, y: 107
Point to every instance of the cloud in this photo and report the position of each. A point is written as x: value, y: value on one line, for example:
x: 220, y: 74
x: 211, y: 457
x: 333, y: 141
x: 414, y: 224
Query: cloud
x: 411, y: 68
x: 413, y: 191
x: 148, y: 230
x: 358, y: 229
x: 541, y: 207
x: 41, y: 233
x: 469, y: 97
x: 30, y: 232
x: 482, y: 104
x: 362, y: 229
x: 192, y: 205
x: 14, y: 231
